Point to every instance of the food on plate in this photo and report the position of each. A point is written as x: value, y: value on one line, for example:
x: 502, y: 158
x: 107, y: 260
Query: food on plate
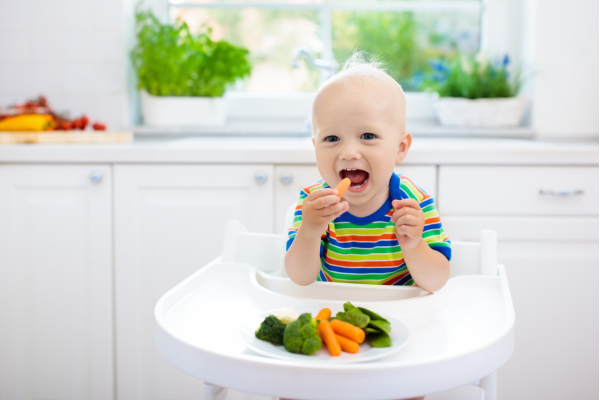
x: 27, y: 122
x: 323, y: 314
x: 375, y: 327
x: 381, y: 325
x: 329, y: 338
x: 342, y: 187
x: 372, y: 315
x: 271, y: 330
x: 380, y: 339
x: 349, y: 346
x: 348, y: 330
x: 301, y: 336
x: 304, y: 334
x: 287, y: 315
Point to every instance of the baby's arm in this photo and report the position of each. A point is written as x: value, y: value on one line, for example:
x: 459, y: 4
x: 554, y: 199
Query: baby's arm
x: 429, y: 268
x: 303, y: 259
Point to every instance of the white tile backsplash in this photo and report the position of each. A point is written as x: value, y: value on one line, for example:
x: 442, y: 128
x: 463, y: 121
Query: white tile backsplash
x: 48, y: 45
x: 15, y: 45
x: 16, y: 77
x: 79, y: 14
x: 47, y: 14
x: 108, y: 46
x: 78, y: 45
x: 15, y: 14
x: 109, y: 78
x: 71, y: 51
x: 108, y: 14
x: 49, y: 77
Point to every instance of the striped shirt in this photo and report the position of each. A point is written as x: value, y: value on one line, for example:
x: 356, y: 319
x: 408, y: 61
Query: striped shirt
x: 365, y: 250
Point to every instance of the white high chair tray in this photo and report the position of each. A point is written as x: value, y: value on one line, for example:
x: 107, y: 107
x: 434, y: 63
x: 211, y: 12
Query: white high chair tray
x: 458, y: 335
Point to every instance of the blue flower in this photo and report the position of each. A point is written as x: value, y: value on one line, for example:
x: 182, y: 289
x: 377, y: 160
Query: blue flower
x: 505, y: 60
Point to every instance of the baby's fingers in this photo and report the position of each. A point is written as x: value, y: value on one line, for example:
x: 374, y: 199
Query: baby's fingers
x: 321, y: 193
x: 336, y: 210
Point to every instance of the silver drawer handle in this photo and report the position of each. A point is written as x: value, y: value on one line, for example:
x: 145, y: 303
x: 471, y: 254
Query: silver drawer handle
x: 286, y: 178
x: 96, y: 177
x: 261, y: 177
x: 561, y: 193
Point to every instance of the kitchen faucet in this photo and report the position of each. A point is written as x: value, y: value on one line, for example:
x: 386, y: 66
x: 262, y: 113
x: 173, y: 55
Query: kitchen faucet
x: 328, y: 67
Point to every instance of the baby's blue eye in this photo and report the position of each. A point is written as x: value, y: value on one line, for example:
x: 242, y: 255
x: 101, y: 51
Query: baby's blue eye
x: 367, y: 136
x: 332, y: 138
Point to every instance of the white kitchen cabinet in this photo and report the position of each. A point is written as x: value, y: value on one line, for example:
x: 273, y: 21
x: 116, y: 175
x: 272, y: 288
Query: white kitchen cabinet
x: 170, y: 221
x: 291, y: 179
x: 546, y: 219
x: 56, y: 326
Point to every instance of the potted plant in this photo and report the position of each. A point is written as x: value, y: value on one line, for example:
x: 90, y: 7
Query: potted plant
x: 474, y: 91
x: 182, y: 76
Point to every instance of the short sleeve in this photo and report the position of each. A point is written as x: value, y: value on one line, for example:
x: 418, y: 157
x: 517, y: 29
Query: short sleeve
x: 293, y: 230
x: 433, y: 232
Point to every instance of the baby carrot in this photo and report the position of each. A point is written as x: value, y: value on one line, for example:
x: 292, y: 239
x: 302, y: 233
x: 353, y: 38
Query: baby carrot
x: 348, y: 330
x: 349, y: 346
x: 328, y: 338
x: 323, y: 314
x: 342, y: 187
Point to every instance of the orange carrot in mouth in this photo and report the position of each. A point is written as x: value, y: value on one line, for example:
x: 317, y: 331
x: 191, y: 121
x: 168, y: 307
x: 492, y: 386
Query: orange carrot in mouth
x: 328, y: 338
x: 348, y: 330
x: 342, y: 187
x: 349, y: 346
x: 323, y: 314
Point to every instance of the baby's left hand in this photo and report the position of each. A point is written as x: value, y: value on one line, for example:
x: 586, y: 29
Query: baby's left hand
x: 409, y: 220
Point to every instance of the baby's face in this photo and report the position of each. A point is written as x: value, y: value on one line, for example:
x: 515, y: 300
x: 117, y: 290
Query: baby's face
x: 359, y: 134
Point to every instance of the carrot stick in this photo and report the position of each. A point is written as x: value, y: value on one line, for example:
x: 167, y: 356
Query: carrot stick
x: 349, y: 346
x: 348, y: 330
x: 342, y: 187
x: 328, y: 338
x: 323, y: 314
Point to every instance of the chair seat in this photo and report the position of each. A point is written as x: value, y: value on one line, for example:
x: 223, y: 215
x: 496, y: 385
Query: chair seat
x: 468, y: 392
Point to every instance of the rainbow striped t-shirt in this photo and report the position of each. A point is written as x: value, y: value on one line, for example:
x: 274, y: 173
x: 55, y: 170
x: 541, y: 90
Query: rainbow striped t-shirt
x: 365, y: 250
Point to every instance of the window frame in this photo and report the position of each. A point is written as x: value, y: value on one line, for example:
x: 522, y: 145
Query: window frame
x: 293, y: 105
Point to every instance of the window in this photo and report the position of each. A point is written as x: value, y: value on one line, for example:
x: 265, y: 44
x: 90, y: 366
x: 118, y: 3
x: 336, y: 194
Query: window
x: 406, y: 34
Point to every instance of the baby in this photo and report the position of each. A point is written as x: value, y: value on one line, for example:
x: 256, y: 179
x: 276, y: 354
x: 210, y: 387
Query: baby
x: 386, y: 231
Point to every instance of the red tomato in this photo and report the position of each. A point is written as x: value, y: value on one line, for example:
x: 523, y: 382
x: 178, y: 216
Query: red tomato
x: 84, y: 121
x: 98, y: 126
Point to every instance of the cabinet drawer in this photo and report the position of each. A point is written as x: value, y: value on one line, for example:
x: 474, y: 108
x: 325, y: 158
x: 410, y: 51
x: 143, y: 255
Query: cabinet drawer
x: 518, y: 190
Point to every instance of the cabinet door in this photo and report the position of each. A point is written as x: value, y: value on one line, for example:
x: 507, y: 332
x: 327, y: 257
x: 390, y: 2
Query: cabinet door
x: 169, y: 222
x: 56, y: 282
x: 290, y: 179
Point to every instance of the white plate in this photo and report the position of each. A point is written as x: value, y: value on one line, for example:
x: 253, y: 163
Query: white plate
x: 399, y: 337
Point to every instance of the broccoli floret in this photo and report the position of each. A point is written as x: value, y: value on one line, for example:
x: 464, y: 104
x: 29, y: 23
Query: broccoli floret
x: 271, y: 330
x: 301, y: 336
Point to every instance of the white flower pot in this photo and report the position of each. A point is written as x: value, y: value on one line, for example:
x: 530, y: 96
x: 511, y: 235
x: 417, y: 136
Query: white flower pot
x: 457, y: 111
x: 182, y: 111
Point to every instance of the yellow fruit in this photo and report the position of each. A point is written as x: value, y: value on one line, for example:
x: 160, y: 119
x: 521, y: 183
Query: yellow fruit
x: 27, y: 122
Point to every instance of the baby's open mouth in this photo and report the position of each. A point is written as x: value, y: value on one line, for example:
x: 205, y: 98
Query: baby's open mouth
x: 358, y: 177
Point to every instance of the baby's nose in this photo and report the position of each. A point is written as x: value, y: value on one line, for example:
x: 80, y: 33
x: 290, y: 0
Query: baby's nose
x: 349, y: 152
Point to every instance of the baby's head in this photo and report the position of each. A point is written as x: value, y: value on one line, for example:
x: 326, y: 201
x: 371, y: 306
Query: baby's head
x: 359, y: 129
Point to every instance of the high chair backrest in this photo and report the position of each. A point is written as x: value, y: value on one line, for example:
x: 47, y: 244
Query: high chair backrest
x: 266, y: 251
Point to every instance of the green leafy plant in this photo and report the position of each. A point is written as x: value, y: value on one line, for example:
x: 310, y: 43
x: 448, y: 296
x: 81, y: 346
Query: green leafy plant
x: 171, y: 61
x: 472, y: 77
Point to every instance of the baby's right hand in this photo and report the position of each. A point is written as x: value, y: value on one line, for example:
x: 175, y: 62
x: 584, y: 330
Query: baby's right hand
x: 319, y: 209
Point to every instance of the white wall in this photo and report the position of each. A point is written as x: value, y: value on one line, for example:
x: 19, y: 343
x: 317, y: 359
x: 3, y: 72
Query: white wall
x: 72, y: 51
x: 565, y: 87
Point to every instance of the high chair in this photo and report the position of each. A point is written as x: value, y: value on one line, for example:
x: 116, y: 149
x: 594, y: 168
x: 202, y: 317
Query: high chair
x: 459, y: 336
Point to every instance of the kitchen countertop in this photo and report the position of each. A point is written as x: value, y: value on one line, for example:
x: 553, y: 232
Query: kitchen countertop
x: 299, y: 150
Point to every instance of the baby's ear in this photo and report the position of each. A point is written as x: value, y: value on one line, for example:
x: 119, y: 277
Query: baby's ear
x: 404, y: 147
